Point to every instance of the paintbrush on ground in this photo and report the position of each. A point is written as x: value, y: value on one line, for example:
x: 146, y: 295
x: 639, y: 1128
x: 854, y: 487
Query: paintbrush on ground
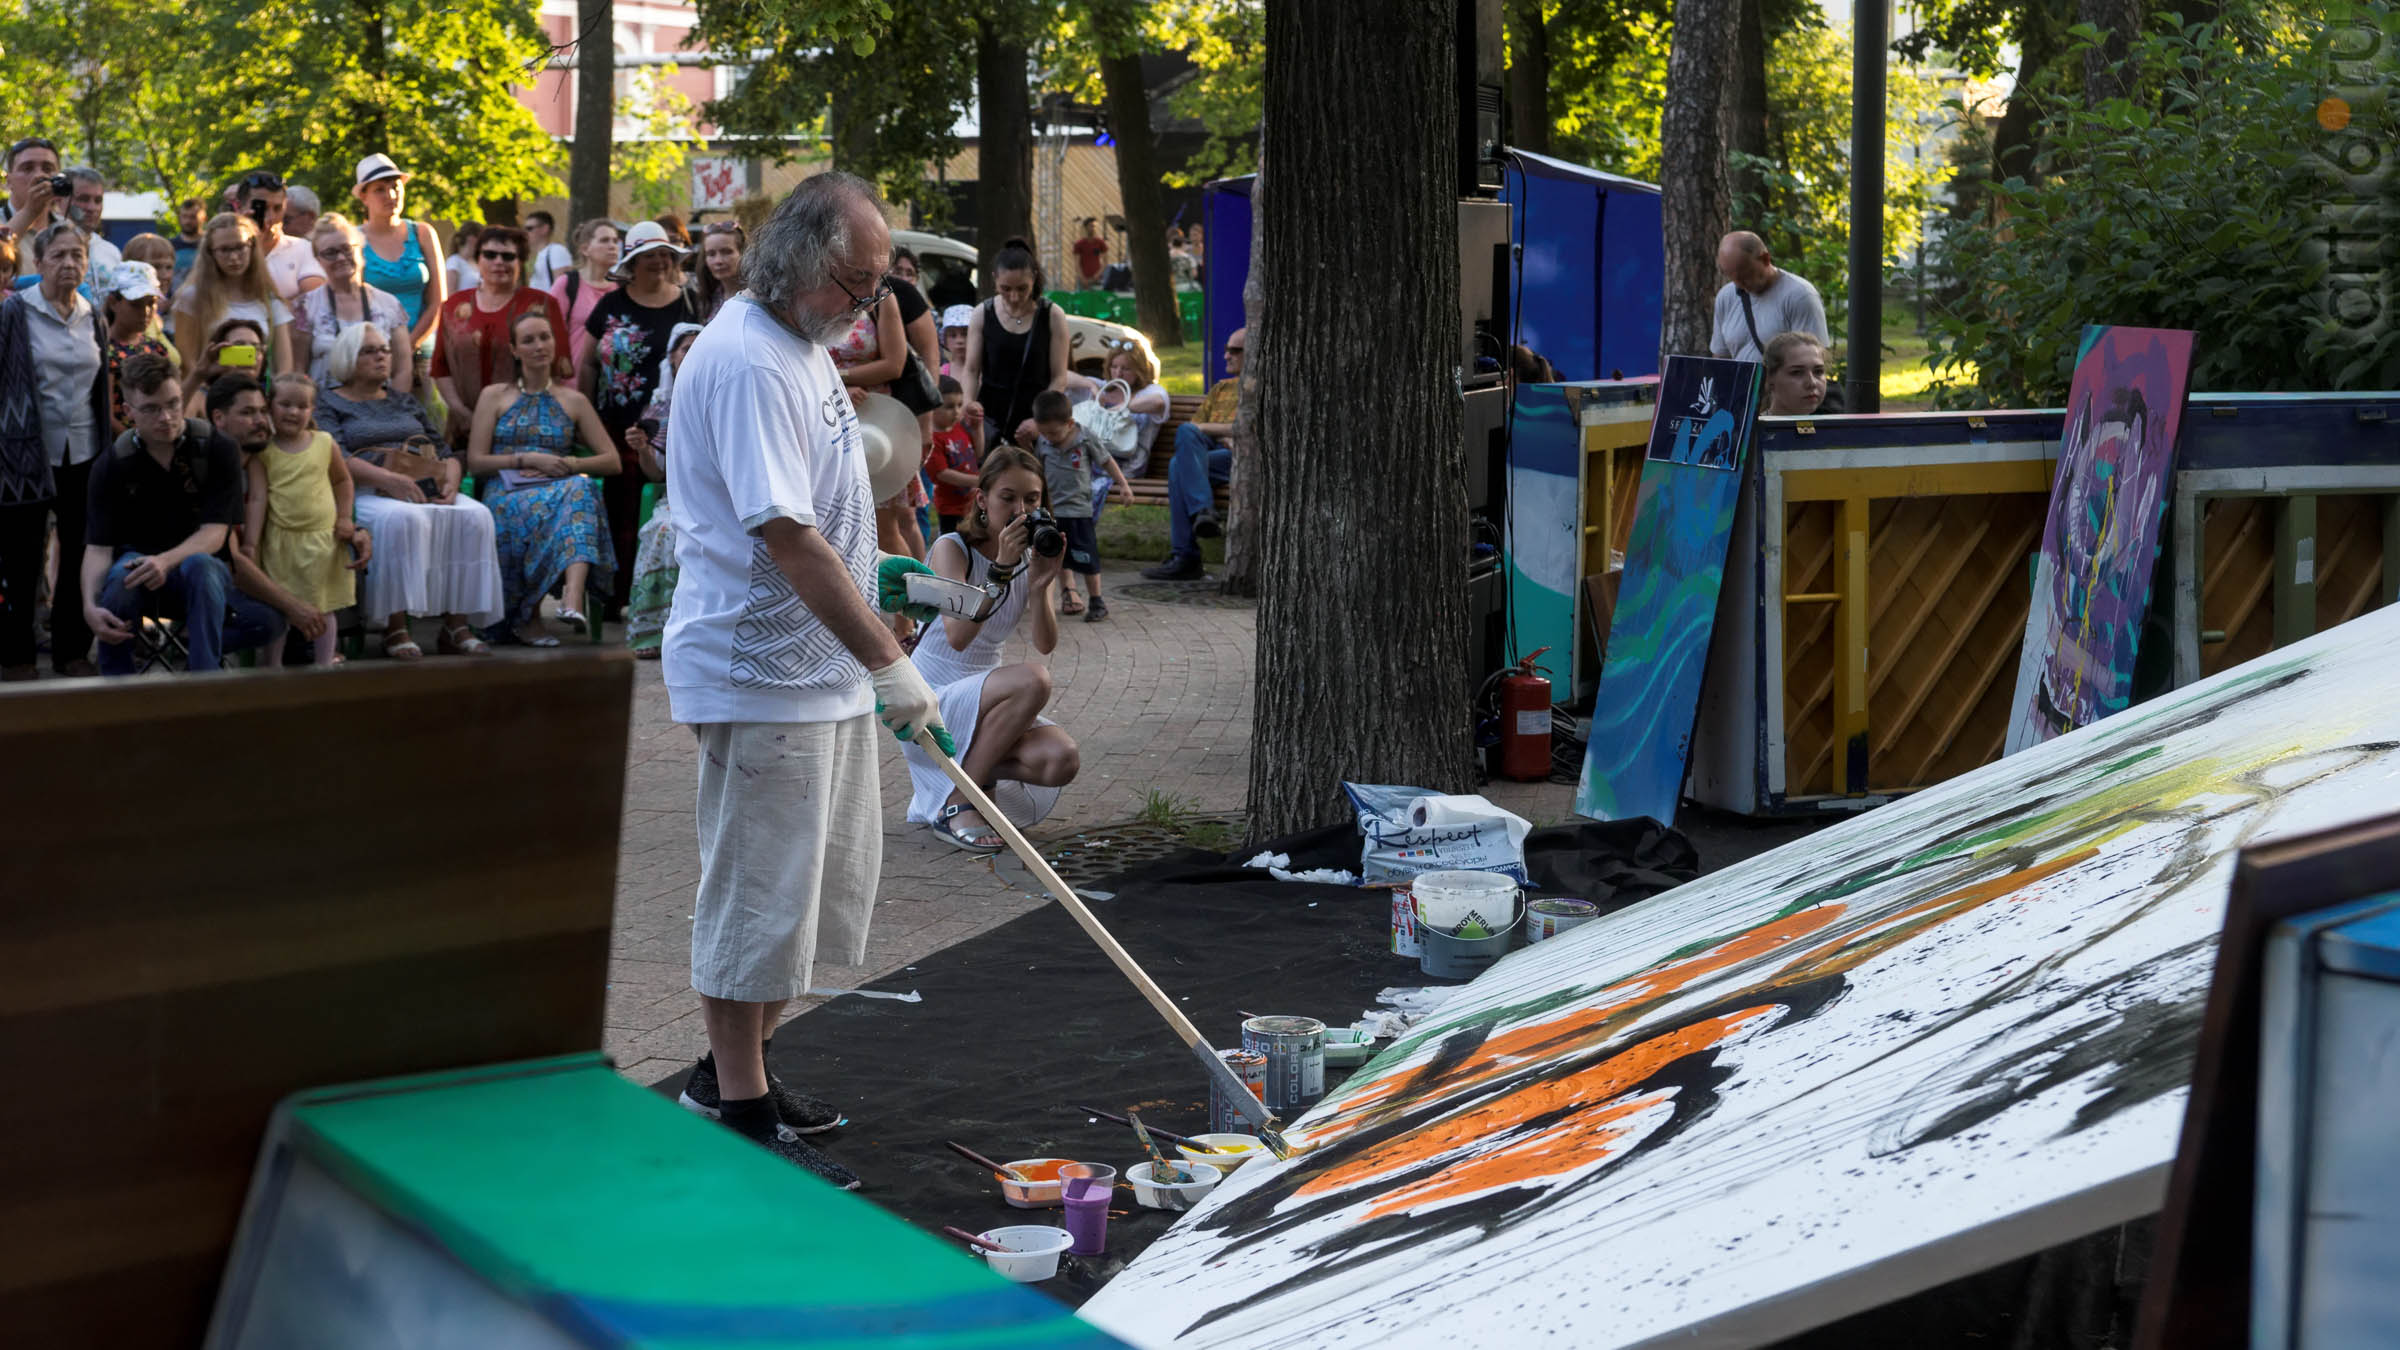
x: 1170, y: 1136
x: 1162, y: 1167
x: 1239, y: 1093
x: 972, y: 1240
x: 981, y: 1161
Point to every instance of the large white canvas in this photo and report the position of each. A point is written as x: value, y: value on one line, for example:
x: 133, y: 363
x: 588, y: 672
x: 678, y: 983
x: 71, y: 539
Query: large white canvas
x: 1952, y: 1031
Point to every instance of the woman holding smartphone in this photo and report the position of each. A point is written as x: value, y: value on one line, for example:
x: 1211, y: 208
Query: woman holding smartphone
x: 229, y: 281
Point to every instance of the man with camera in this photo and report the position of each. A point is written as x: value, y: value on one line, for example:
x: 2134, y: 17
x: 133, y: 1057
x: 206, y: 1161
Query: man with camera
x: 37, y: 197
x: 291, y: 263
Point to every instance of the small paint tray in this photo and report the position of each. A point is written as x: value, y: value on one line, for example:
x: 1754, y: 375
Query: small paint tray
x: 1347, y: 1047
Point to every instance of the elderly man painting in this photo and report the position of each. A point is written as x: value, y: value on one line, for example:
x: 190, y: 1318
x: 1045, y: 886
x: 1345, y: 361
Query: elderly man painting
x: 774, y: 655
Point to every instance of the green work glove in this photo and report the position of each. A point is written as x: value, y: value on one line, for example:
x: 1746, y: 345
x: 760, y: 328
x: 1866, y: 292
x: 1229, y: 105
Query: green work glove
x: 891, y: 588
x: 908, y: 706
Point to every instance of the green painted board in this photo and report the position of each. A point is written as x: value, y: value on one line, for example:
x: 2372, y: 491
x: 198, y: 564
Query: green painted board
x: 630, y: 1221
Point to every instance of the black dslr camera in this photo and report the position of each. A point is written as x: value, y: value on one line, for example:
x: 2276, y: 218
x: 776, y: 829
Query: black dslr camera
x: 1043, y: 534
x: 62, y: 187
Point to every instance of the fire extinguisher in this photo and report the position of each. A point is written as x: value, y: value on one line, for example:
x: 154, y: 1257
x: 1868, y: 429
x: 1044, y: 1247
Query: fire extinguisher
x: 1525, y: 721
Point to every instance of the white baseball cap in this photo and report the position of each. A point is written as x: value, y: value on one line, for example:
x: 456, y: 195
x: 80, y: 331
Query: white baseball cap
x: 958, y: 316
x: 646, y: 236
x: 132, y: 280
x: 375, y: 168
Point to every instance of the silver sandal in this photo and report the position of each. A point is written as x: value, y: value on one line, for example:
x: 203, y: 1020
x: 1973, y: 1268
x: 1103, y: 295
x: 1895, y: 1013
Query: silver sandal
x: 948, y: 833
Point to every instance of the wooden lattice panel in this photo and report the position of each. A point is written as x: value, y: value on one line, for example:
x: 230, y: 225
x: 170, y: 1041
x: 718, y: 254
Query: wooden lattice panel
x: 2237, y: 578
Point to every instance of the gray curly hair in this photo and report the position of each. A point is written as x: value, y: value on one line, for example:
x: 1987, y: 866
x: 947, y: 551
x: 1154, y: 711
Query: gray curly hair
x: 794, y: 251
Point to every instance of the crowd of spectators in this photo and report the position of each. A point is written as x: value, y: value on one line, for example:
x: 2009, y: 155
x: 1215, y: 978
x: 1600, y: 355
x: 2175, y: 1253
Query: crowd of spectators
x: 455, y: 435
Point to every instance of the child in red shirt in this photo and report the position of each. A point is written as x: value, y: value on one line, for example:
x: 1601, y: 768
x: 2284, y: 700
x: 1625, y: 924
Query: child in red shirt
x: 950, y: 459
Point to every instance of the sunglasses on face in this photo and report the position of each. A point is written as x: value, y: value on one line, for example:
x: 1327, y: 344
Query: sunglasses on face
x: 503, y: 255
x: 1233, y: 351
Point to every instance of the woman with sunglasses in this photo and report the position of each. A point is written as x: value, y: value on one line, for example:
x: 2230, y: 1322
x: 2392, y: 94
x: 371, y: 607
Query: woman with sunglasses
x: 345, y: 299
x: 471, y: 347
x: 631, y: 329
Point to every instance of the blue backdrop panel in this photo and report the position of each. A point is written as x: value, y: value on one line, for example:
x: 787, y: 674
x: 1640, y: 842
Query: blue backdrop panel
x: 1225, y: 214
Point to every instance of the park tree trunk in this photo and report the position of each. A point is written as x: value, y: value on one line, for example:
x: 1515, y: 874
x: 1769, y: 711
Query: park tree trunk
x: 1362, y: 619
x: 1245, y: 495
x: 849, y: 137
x: 1691, y: 171
x: 1137, y: 185
x: 1747, y: 131
x: 1528, y: 77
x: 595, y: 108
x: 1004, y: 154
x: 2104, y: 72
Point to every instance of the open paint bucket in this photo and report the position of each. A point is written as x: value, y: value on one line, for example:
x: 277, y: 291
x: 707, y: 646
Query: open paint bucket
x: 1295, y: 1051
x: 1452, y: 900
x: 1548, y: 918
x: 1470, y: 949
x: 1033, y: 1251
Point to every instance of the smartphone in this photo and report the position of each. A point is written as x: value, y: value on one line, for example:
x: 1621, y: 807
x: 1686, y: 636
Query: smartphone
x: 239, y: 354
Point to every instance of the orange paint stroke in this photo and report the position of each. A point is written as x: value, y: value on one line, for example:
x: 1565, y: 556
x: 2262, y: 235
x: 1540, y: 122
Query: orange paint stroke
x: 1889, y: 931
x: 1488, y: 1121
x: 1579, y: 1029
x: 1586, y: 1138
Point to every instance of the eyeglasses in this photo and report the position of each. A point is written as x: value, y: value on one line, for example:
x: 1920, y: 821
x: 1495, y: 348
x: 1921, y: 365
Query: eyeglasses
x: 365, y: 350
x: 503, y: 255
x: 230, y: 250
x: 862, y: 302
x: 331, y: 254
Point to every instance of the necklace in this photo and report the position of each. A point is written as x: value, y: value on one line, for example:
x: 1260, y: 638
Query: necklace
x: 529, y: 393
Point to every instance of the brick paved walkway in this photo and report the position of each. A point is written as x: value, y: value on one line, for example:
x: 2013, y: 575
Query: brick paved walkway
x: 1159, y: 699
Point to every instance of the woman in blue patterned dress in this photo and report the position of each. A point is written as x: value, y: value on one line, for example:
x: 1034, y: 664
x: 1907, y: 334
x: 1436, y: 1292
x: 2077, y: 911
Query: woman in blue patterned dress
x: 553, y: 530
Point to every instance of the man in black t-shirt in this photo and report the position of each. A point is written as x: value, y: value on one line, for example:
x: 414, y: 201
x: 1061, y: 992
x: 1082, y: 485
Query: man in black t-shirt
x: 163, y: 505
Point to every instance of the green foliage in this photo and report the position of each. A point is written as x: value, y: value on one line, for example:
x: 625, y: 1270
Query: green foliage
x: 181, y: 97
x: 2201, y: 203
x: 1802, y: 208
x: 887, y: 118
x: 650, y: 161
x: 1608, y: 81
x: 1226, y: 41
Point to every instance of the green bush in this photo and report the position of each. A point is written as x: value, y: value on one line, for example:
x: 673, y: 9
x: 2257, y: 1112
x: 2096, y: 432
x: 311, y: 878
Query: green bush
x: 2200, y: 202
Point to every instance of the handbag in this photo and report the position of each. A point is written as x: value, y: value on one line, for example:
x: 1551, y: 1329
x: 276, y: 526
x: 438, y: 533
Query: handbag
x: 916, y: 388
x: 419, y: 460
x: 1114, y: 429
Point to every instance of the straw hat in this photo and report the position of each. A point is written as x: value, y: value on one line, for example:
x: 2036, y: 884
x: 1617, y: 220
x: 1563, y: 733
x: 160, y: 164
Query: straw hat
x: 895, y: 448
x: 375, y: 168
x: 646, y: 236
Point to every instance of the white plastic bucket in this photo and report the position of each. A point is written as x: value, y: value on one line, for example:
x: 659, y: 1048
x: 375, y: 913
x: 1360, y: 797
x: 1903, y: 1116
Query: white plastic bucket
x: 1447, y: 900
x: 1033, y: 1251
x: 1156, y: 1194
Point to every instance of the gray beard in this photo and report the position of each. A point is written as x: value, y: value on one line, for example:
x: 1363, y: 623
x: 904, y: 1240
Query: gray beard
x: 825, y: 330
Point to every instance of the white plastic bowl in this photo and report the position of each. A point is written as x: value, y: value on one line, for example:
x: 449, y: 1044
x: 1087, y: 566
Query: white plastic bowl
x: 1164, y: 1195
x: 1251, y: 1146
x: 1033, y: 1251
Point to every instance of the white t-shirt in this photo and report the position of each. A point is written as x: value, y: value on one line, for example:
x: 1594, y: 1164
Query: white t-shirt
x: 289, y: 263
x: 549, y: 264
x: 763, y: 428
x: 101, y: 253
x: 1789, y: 305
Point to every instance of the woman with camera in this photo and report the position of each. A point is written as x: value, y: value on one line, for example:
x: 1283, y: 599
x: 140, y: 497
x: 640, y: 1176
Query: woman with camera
x: 994, y: 711
x: 435, y: 549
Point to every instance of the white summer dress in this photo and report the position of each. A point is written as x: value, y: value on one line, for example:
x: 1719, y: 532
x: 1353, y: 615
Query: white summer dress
x: 957, y: 680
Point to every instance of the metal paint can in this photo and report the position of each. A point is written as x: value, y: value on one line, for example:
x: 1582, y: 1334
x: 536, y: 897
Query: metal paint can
x: 1549, y: 918
x: 1405, y: 941
x: 1295, y: 1051
x: 1224, y: 1116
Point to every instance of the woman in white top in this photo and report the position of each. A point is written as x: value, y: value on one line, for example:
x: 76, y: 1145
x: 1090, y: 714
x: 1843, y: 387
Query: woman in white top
x: 343, y: 300
x: 229, y: 281
x: 993, y: 710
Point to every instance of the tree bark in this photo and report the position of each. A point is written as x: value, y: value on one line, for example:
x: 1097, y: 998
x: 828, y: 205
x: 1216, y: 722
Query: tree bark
x: 1362, y: 620
x: 2104, y: 73
x: 595, y: 108
x: 1145, y: 212
x: 1528, y: 77
x: 1691, y: 175
x: 1244, y: 496
x: 850, y: 139
x: 1747, y: 130
x: 1004, y: 153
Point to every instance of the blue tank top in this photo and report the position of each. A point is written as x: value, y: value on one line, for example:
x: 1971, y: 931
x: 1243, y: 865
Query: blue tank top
x: 405, y: 278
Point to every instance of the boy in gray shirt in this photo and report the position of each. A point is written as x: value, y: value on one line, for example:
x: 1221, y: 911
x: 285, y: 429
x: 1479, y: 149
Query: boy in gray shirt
x: 1068, y: 459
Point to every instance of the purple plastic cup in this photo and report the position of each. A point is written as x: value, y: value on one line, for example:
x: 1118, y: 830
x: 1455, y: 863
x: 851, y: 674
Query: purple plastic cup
x: 1087, y: 1189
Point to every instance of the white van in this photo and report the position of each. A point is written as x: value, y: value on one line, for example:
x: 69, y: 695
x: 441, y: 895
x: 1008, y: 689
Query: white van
x: 948, y: 265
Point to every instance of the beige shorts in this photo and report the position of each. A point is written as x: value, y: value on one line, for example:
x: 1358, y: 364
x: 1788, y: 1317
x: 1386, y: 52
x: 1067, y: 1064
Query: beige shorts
x: 791, y: 845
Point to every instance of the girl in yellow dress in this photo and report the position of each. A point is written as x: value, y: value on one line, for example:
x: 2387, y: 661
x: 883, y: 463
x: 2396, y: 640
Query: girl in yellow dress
x: 299, y: 527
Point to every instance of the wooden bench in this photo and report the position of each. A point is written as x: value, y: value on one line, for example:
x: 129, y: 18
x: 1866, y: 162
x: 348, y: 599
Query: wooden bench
x: 1150, y: 489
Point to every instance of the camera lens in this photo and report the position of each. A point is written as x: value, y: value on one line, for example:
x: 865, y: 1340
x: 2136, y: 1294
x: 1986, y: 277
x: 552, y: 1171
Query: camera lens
x: 1047, y: 539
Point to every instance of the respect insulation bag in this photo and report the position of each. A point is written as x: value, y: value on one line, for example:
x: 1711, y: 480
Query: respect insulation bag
x: 1409, y: 830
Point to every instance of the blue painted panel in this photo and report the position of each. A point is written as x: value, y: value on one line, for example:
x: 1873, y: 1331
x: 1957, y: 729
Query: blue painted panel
x: 1633, y: 255
x: 1225, y: 215
x: 1554, y: 292
x: 1545, y: 527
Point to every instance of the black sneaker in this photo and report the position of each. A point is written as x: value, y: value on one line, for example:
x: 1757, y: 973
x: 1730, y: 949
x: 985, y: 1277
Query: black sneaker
x: 801, y: 1113
x: 1095, y: 611
x: 803, y: 1154
x: 1175, y: 569
x: 1205, y: 526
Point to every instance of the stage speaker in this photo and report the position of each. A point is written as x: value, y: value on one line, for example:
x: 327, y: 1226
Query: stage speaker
x: 1487, y: 450
x: 1480, y: 71
x: 1487, y: 618
x: 1482, y: 291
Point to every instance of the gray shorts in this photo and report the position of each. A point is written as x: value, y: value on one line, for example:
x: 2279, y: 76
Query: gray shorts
x: 791, y: 846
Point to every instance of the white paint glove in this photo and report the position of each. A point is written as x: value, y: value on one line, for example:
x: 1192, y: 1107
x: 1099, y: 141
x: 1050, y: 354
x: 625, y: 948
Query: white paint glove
x: 908, y: 706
